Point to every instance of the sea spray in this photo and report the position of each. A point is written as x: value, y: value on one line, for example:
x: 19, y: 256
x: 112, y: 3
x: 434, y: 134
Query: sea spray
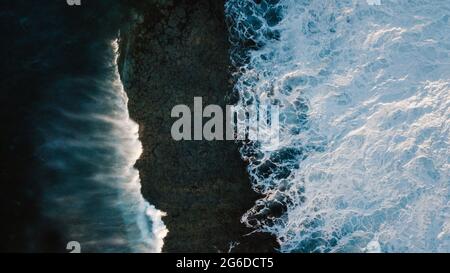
x: 90, y: 147
x: 153, y: 237
x: 363, y: 159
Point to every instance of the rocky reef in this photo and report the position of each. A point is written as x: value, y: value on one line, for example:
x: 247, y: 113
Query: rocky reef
x: 172, y: 52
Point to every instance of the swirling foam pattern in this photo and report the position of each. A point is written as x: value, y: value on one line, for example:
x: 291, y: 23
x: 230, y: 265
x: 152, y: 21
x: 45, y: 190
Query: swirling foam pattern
x: 363, y: 161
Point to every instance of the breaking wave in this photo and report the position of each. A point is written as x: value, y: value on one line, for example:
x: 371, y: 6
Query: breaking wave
x: 91, y: 146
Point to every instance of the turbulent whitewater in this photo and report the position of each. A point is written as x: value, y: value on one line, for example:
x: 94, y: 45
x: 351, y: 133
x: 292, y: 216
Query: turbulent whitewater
x: 363, y: 161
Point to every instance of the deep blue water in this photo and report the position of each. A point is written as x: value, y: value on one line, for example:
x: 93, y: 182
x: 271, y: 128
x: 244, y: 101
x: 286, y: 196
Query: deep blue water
x: 60, y: 67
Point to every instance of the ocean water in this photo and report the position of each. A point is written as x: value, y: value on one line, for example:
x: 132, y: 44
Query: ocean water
x: 363, y: 161
x: 92, y: 146
x: 85, y: 144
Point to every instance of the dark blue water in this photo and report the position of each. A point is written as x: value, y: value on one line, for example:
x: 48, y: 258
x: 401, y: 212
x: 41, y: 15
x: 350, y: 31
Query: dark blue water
x: 61, y: 69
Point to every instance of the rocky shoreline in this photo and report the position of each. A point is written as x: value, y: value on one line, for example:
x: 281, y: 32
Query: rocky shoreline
x: 172, y: 52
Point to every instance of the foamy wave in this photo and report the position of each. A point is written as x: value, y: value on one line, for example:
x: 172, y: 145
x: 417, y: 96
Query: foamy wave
x: 363, y: 160
x: 148, y: 219
x: 91, y: 145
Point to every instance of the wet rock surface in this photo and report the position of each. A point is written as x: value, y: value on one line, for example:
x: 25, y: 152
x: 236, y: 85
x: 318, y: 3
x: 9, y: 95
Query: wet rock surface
x: 175, y: 51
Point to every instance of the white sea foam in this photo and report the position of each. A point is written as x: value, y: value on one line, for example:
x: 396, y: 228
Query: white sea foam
x: 93, y: 194
x: 136, y: 210
x: 363, y: 163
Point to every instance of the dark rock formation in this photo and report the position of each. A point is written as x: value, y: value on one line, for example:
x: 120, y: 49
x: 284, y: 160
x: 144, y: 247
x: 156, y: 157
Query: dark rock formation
x: 174, y: 51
